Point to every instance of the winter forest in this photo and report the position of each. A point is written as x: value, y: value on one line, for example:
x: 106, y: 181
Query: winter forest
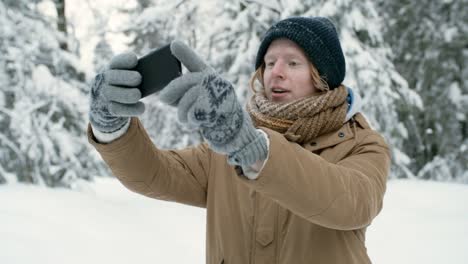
x: 407, y: 59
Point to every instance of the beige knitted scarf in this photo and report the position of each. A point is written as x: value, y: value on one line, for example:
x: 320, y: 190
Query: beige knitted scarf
x: 304, y: 119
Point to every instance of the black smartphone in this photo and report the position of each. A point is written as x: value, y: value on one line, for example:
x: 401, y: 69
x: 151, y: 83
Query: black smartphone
x: 157, y: 68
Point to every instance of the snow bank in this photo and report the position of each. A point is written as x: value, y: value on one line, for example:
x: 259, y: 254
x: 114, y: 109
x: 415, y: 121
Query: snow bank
x: 422, y: 222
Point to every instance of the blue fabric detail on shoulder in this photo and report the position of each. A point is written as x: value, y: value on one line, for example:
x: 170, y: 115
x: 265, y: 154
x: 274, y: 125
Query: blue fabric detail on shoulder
x: 350, y: 98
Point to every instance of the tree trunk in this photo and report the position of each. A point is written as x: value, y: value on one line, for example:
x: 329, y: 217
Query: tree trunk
x: 61, y: 22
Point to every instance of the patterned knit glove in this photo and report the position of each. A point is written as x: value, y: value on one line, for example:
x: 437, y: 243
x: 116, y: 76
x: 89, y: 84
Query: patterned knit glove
x: 207, y: 102
x: 114, y: 96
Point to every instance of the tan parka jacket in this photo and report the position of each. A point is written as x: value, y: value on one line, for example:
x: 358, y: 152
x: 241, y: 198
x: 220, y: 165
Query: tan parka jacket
x: 309, y: 204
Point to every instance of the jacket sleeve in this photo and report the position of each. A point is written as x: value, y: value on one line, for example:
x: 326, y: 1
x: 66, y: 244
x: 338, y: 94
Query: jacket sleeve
x: 179, y: 176
x: 345, y: 196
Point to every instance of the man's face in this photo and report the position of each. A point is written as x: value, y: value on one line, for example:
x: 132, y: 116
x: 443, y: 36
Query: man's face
x: 287, y: 74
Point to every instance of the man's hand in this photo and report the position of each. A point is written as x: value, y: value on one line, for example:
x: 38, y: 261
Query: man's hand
x: 114, y: 94
x: 207, y: 102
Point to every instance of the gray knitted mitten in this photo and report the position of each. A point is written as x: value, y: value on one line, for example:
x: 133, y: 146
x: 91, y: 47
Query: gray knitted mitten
x: 207, y: 102
x: 114, y: 96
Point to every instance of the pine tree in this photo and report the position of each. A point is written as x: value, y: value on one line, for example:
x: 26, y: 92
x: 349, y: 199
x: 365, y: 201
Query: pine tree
x: 102, y: 52
x: 233, y: 42
x: 43, y: 106
x: 430, y: 43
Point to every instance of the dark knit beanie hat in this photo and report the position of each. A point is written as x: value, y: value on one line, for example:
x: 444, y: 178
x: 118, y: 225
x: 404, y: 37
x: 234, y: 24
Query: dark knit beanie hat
x: 318, y: 38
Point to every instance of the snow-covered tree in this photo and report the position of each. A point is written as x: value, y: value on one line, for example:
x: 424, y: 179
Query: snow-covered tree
x: 43, y: 105
x: 429, y: 40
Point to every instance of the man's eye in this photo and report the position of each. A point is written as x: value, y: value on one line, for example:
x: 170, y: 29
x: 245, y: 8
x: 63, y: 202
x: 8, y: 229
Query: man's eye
x: 293, y: 63
x: 270, y: 64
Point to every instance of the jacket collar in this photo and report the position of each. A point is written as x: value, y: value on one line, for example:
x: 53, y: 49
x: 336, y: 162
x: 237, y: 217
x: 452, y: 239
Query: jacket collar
x: 354, y: 101
x: 332, y: 138
x: 346, y: 132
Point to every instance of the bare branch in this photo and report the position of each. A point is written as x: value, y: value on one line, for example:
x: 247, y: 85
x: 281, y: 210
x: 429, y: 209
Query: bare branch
x: 272, y: 8
x: 180, y: 3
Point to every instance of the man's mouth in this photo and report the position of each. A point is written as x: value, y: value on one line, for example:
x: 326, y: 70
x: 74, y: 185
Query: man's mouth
x: 279, y: 90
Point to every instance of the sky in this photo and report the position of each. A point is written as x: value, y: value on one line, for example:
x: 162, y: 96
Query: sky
x: 102, y: 222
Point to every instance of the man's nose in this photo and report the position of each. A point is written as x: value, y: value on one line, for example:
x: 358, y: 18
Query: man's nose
x: 278, y: 70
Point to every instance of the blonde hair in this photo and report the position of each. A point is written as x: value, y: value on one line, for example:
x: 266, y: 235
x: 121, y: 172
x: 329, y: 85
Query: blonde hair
x: 317, y: 80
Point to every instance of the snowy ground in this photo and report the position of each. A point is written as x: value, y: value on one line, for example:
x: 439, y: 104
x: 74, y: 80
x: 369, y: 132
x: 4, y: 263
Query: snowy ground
x: 422, y: 222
